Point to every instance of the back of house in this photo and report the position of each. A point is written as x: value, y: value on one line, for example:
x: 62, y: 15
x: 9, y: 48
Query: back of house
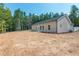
x: 56, y: 25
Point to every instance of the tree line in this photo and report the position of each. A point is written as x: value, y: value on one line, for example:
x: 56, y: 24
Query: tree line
x: 21, y: 21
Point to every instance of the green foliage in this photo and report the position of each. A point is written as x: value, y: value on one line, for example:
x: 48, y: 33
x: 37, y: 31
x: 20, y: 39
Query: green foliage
x: 21, y: 21
x: 74, y: 15
x: 5, y: 18
x: 18, y: 15
x: 56, y: 15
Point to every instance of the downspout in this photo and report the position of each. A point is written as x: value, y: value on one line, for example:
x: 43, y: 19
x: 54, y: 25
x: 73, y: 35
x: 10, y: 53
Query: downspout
x: 56, y: 26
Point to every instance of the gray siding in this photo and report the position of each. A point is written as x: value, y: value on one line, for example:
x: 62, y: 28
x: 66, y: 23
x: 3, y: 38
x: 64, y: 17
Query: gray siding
x: 52, y: 27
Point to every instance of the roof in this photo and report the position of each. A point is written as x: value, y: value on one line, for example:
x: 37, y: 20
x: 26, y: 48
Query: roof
x: 49, y: 20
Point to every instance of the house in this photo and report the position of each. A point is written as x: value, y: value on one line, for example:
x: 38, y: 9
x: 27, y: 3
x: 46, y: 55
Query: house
x: 56, y: 25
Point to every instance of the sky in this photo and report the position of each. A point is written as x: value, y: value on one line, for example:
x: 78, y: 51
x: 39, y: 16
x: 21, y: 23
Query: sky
x: 38, y: 8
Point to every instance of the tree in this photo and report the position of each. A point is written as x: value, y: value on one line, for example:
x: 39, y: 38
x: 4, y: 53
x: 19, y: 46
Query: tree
x: 8, y: 19
x: 5, y: 18
x: 41, y: 17
x: 56, y: 15
x: 1, y: 5
x: 50, y: 15
x: 35, y: 18
x: 17, y: 19
x: 73, y: 14
x: 46, y: 16
x: 24, y: 21
x: 61, y: 14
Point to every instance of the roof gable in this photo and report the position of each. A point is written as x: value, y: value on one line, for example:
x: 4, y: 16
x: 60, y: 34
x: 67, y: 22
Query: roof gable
x: 66, y: 18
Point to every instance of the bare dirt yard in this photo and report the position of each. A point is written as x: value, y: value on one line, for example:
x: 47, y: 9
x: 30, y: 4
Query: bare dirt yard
x: 39, y: 44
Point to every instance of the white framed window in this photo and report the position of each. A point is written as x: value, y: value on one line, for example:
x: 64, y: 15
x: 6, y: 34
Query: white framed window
x: 48, y: 27
x: 41, y: 27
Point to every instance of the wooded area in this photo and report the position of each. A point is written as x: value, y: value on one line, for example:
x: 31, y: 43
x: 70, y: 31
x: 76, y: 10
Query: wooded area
x: 21, y: 21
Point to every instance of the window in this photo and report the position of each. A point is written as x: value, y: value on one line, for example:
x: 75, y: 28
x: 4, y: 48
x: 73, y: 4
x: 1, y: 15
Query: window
x: 60, y: 25
x: 48, y: 27
x: 41, y: 27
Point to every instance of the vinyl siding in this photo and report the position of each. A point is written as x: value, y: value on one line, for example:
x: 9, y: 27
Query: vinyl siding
x: 63, y: 25
x: 52, y: 27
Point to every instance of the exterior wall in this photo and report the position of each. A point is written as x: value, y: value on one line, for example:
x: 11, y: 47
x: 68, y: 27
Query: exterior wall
x: 64, y: 25
x: 34, y: 27
x: 52, y: 27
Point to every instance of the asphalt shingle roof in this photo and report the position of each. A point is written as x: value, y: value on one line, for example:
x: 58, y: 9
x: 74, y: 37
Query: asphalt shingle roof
x: 49, y: 20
